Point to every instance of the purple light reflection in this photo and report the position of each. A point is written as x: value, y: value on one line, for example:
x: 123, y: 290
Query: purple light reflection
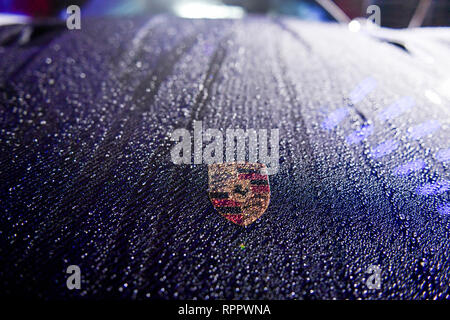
x: 409, y: 167
x: 359, y: 135
x: 424, y: 129
x: 397, y: 108
x: 334, y: 118
x: 362, y: 89
x: 384, y: 148
x: 429, y: 189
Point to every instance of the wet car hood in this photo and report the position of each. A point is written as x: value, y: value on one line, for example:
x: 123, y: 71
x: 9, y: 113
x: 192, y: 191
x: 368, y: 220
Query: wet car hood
x: 87, y: 177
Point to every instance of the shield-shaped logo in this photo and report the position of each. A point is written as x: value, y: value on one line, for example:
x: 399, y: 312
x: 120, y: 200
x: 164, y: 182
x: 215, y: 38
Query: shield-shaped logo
x: 239, y: 191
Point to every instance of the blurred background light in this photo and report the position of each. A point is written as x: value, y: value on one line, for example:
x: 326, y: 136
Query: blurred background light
x: 207, y: 10
x: 394, y: 13
x: 354, y: 26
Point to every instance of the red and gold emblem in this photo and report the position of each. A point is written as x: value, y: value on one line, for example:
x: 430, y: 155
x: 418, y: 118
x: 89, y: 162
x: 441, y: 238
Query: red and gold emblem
x: 239, y: 191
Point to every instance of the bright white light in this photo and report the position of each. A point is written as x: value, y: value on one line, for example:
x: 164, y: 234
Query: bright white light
x: 354, y: 26
x: 433, y: 96
x: 6, y: 19
x: 203, y: 10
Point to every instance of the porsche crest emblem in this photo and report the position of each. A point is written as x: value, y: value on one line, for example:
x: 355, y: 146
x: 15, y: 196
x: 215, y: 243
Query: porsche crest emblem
x: 240, y: 191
